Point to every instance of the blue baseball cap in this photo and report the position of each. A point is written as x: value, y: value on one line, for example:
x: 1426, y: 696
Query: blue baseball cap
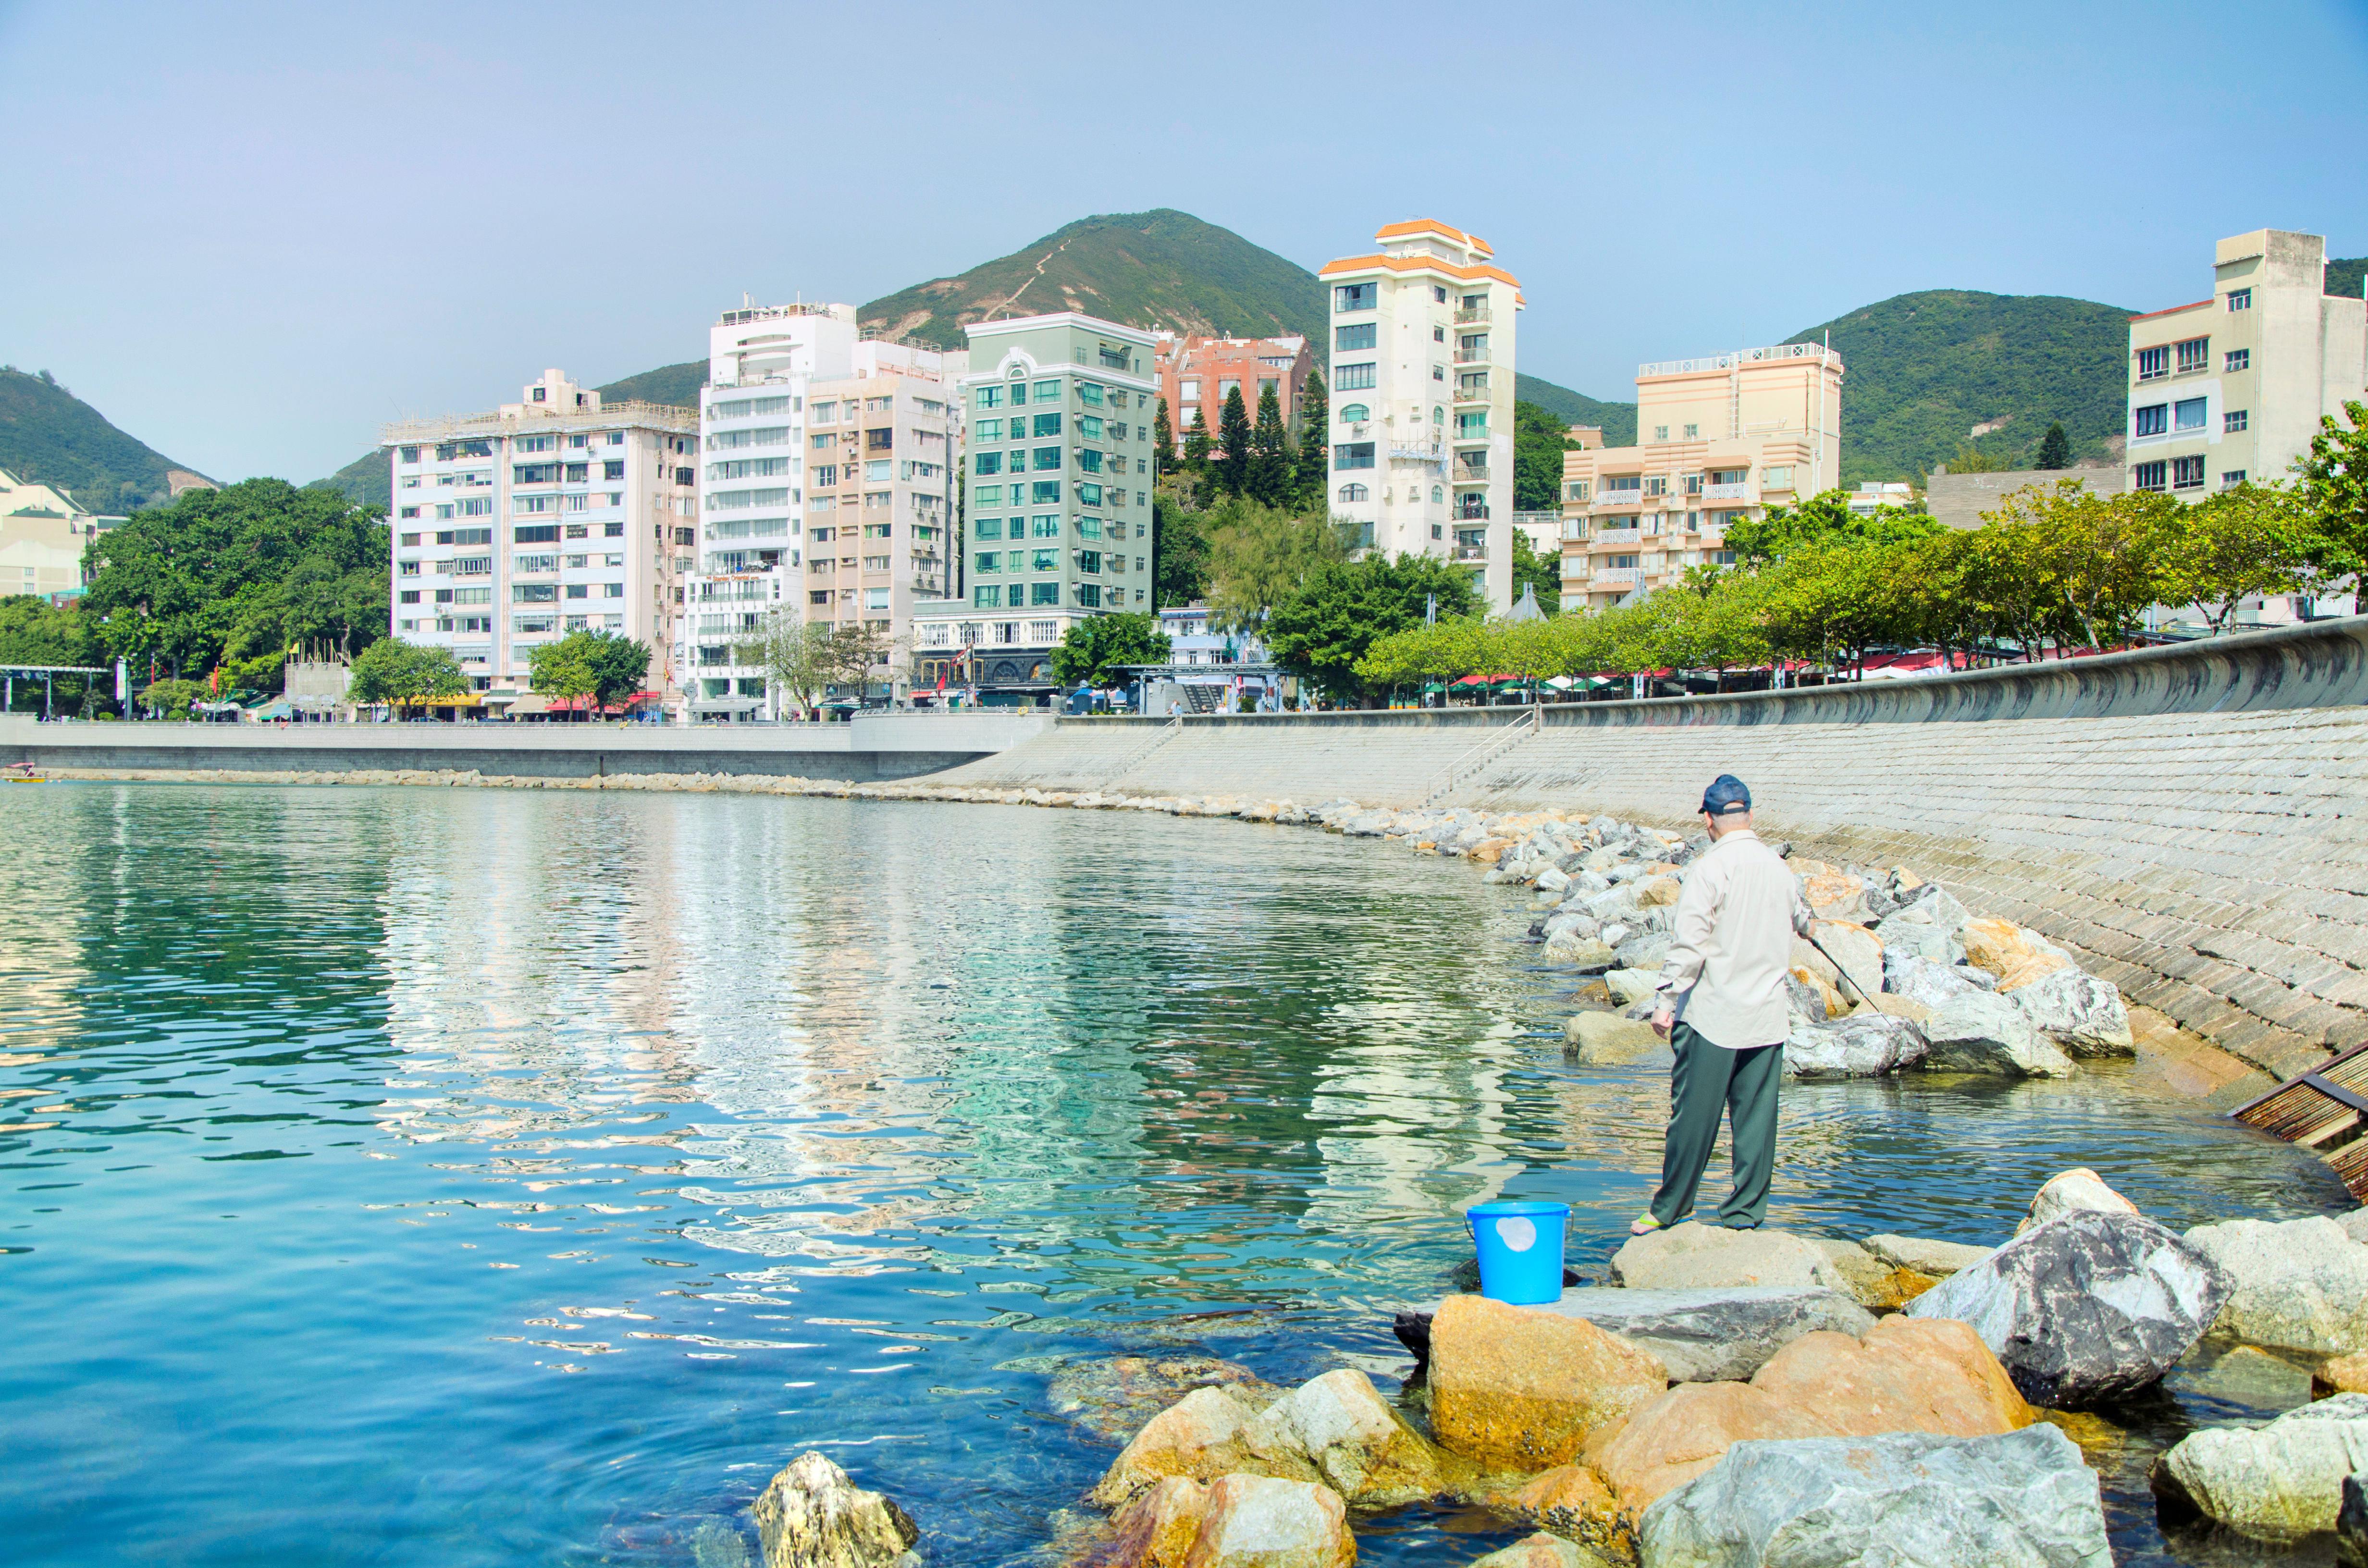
x: 1726, y: 793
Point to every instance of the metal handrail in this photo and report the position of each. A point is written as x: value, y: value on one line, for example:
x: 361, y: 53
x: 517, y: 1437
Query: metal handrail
x: 1487, y: 752
x: 1166, y: 732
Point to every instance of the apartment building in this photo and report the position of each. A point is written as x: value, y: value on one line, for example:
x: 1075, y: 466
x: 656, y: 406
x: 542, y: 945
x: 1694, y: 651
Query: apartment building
x: 1421, y: 384
x: 1059, y: 410
x: 1719, y: 440
x: 1195, y: 374
x: 43, y: 533
x: 825, y: 489
x: 557, y: 513
x: 2233, y: 387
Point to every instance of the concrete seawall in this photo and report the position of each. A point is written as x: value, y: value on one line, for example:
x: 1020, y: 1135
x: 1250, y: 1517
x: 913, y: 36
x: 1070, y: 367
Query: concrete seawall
x: 873, y: 747
x: 2192, y: 821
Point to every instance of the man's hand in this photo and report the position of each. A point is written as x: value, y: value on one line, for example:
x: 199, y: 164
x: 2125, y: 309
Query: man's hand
x: 1664, y: 1018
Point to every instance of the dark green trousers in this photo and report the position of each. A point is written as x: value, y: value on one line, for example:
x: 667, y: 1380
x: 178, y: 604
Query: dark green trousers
x: 1707, y: 1080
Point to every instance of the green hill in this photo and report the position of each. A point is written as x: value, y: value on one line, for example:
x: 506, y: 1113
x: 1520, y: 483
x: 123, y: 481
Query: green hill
x: 2344, y: 275
x: 1618, y: 419
x: 1921, y: 371
x: 674, y: 385
x: 50, y: 435
x: 366, y: 479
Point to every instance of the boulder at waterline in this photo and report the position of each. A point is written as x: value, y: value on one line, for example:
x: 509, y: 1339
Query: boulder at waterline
x: 1573, y: 1502
x: 1855, y: 950
x: 1112, y: 1396
x: 1515, y: 1388
x: 1976, y: 1031
x: 1694, y: 1255
x: 1199, y: 1437
x: 2351, y: 1524
x: 1934, y: 984
x: 1810, y: 995
x: 2019, y: 1500
x: 1939, y: 1260
x: 1543, y: 1550
x: 2341, y: 1374
x: 2279, y: 1481
x: 2071, y: 1192
x: 811, y: 1515
x: 1866, y: 1046
x: 1155, y: 1531
x: 1904, y: 937
x: 1607, y: 1040
x: 1337, y: 1426
x: 1725, y: 1333
x: 2079, y: 1012
x: 2302, y: 1285
x: 1900, y: 1376
x: 1872, y: 1283
x: 1256, y: 1521
x: 1587, y: 954
x: 1630, y: 985
x: 2086, y: 1307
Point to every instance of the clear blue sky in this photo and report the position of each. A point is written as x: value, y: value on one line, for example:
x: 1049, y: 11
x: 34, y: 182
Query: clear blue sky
x: 251, y: 234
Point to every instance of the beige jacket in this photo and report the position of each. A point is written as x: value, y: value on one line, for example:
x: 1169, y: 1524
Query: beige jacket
x: 1737, y: 916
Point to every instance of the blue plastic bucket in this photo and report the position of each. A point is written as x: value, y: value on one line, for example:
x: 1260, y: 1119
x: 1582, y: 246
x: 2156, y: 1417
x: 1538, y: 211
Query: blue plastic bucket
x: 1520, y: 1250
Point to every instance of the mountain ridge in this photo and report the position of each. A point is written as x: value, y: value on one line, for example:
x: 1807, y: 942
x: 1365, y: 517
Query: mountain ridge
x: 50, y: 436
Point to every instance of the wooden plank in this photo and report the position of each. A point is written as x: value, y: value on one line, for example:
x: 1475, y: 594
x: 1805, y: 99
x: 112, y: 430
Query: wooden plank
x: 2335, y: 1092
x: 2240, y: 1113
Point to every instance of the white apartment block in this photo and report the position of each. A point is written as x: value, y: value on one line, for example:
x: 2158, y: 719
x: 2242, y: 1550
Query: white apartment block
x: 2232, y: 388
x: 1421, y: 390
x: 1719, y: 440
x: 551, y: 514
x: 825, y: 489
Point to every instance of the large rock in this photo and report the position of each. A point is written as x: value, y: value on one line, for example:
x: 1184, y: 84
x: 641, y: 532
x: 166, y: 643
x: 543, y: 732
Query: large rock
x: 1199, y: 1437
x: 1112, y: 1396
x: 1901, y: 1376
x: 1629, y: 985
x: 1873, y: 1283
x: 1353, y: 1440
x: 1998, y: 946
x: 2079, y: 1012
x: 811, y: 1515
x: 2302, y: 1285
x: 1866, y: 1046
x: 1928, y: 901
x: 2280, y: 1482
x: 1543, y: 1550
x: 1256, y: 1521
x: 2018, y: 1500
x: 1977, y: 1032
x: 1695, y: 1257
x: 1707, y: 1335
x: 1592, y: 954
x: 1912, y: 935
x: 2071, y: 1192
x: 1856, y: 950
x: 1607, y: 1040
x: 1519, y: 1389
x: 1939, y: 1260
x: 1155, y: 1531
x: 1934, y: 984
x: 2085, y: 1307
x: 1573, y: 1502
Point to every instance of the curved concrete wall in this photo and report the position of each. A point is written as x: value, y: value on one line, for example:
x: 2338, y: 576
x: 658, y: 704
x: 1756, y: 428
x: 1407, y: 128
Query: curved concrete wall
x: 2193, y: 820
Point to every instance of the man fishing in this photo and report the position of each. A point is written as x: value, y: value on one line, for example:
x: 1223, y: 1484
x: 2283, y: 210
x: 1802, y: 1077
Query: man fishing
x: 1721, y: 1004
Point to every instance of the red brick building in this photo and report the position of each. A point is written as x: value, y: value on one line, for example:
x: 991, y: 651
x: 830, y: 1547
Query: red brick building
x: 1196, y: 372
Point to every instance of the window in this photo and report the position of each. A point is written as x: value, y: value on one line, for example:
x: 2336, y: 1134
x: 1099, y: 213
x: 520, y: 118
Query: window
x: 1047, y: 457
x: 1658, y: 485
x: 1089, y: 561
x: 1090, y: 394
x: 2241, y: 298
x: 1348, y: 339
x: 579, y: 590
x: 613, y: 531
x: 534, y: 474
x: 2150, y: 476
x: 1356, y: 296
x: 819, y: 597
x: 408, y: 596
x: 1776, y: 477
x: 1046, y: 391
x: 986, y: 462
x: 1660, y: 432
x: 2153, y: 363
x: 2231, y: 478
x: 534, y: 444
x: 537, y: 533
x: 987, y: 397
x: 411, y: 512
x: 2187, y: 473
x: 1089, y: 595
x: 1355, y: 493
x: 988, y: 495
x: 880, y: 440
x: 612, y: 590
x: 1354, y: 378
x: 2239, y: 359
x: 1039, y: 527
x: 1046, y: 425
x: 986, y: 528
x: 1090, y: 426
x: 2195, y: 355
x: 990, y: 560
x: 987, y: 597
x: 1089, y: 460
x: 1041, y: 594
x: 2233, y: 420
x: 1353, y: 454
x: 878, y: 471
x: 2187, y: 414
x: 613, y: 468
x: 1045, y: 492
x: 2152, y: 420
x: 1693, y: 432
x: 534, y: 593
x: 1269, y: 384
x: 1355, y: 414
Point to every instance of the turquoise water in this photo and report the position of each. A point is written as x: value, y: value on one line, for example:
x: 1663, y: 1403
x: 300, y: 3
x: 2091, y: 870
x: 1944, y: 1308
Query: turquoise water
x: 410, y: 1176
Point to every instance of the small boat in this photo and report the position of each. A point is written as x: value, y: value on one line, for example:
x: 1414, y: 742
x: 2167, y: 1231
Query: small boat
x: 21, y: 773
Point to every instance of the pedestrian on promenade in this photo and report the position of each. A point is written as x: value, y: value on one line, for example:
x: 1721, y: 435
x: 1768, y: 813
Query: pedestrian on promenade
x: 1721, y: 1004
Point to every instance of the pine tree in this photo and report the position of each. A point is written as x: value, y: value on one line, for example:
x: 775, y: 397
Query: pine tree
x: 1269, y: 477
x: 1163, y: 442
x: 1233, y: 459
x: 1314, y: 431
x: 2055, y: 448
x: 1195, y: 466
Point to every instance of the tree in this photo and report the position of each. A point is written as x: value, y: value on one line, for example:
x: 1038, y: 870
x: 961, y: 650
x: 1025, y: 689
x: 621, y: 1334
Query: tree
x: 2333, y: 487
x: 1539, y: 440
x: 1258, y: 556
x: 1163, y: 442
x: 1232, y: 463
x: 2250, y: 539
x: 1094, y: 648
x: 606, y: 667
x: 1321, y: 630
x: 398, y: 673
x: 854, y: 650
x: 1180, y: 554
x: 1822, y: 518
x: 1195, y: 466
x: 2055, y: 449
x: 34, y: 632
x: 1973, y: 459
x: 796, y: 658
x: 1313, y: 471
x: 1539, y: 571
x: 1266, y: 479
x: 240, y: 572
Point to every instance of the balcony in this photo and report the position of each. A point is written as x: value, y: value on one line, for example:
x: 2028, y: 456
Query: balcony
x: 1727, y: 492
x: 1617, y: 536
x: 1630, y: 499
x: 1612, y: 574
x: 1472, y: 315
x: 1427, y: 449
x: 1471, y: 473
x: 1471, y: 510
x: 1465, y: 394
x: 1471, y: 437
x: 1472, y: 355
x: 1469, y: 553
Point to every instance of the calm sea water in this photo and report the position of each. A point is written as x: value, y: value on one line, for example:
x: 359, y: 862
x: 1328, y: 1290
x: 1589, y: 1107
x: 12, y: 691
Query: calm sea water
x: 410, y: 1176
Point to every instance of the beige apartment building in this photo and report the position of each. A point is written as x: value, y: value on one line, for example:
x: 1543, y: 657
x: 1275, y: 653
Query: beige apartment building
x: 1719, y: 440
x: 42, y: 535
x: 2232, y: 387
x: 880, y: 491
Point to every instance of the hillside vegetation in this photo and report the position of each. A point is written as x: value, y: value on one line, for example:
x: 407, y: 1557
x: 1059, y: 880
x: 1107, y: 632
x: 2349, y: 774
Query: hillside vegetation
x: 50, y: 435
x: 1921, y: 371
